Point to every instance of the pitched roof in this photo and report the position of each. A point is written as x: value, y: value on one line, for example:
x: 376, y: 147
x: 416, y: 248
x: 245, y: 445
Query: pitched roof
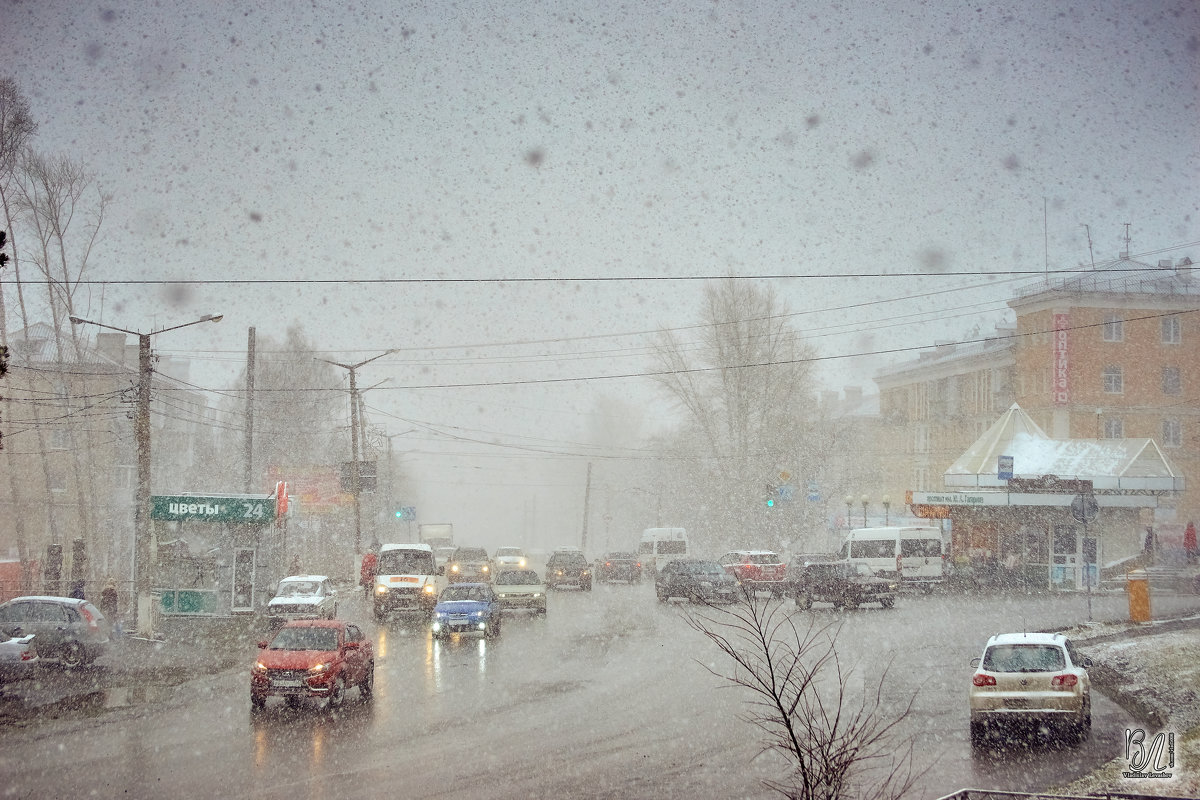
x: 1113, y: 464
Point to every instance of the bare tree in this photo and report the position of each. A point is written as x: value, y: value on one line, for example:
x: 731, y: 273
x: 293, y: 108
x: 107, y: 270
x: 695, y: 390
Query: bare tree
x: 838, y: 746
x: 16, y: 129
x: 748, y: 393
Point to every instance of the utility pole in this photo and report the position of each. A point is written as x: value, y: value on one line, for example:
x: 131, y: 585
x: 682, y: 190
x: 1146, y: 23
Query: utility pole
x: 587, y: 495
x: 249, y: 449
x: 355, y: 485
x: 141, y: 432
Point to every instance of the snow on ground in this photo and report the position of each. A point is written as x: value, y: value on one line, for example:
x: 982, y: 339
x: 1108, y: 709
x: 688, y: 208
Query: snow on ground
x: 1154, y: 672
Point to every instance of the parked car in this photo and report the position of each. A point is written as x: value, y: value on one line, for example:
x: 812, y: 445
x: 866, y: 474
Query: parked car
x: 18, y: 658
x: 302, y: 597
x: 568, y: 567
x: 68, y: 629
x: 760, y: 570
x: 467, y: 608
x: 521, y: 589
x: 696, y: 580
x: 509, y: 558
x: 469, y: 564
x: 845, y: 584
x: 1034, y: 680
x: 619, y: 566
x: 313, y: 658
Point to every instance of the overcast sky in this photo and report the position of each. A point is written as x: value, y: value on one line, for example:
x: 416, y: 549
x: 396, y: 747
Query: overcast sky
x: 443, y: 142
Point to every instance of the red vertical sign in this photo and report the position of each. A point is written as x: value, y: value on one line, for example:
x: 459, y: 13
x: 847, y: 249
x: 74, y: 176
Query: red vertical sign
x: 1062, y: 360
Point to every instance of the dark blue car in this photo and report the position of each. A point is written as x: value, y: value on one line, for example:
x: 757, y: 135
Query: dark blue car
x: 467, y: 608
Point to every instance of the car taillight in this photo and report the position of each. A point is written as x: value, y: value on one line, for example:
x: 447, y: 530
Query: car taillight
x: 608, y: 563
x: 28, y: 655
x: 1064, y: 681
x: 91, y: 620
x: 983, y: 680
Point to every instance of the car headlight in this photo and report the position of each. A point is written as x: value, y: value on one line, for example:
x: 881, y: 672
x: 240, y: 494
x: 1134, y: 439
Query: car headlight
x: 430, y: 588
x: 317, y: 669
x: 381, y: 589
x: 522, y: 563
x: 259, y: 668
x: 476, y: 615
x: 484, y: 568
x: 454, y: 567
x: 586, y: 572
x: 537, y: 594
x: 440, y: 614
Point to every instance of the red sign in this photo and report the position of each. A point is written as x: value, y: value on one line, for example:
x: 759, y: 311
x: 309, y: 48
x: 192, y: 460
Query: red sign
x: 1062, y: 360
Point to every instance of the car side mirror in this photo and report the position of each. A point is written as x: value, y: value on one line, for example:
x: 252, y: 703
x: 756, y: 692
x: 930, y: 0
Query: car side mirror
x: 14, y: 632
x: 975, y: 661
x: 1087, y: 663
x: 262, y: 645
x: 441, y: 570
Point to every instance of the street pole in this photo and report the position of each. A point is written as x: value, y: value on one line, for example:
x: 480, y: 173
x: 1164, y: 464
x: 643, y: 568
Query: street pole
x: 355, y: 483
x: 142, y: 533
x: 141, y: 511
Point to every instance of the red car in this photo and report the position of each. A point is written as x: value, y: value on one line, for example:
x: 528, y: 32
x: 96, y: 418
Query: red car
x: 313, y: 658
x: 758, y: 569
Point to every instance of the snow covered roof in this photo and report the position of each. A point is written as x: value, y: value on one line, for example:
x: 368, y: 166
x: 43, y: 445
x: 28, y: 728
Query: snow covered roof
x: 1112, y: 464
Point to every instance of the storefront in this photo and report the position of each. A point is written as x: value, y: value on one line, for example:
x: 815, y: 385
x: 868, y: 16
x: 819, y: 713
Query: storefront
x: 1045, y: 513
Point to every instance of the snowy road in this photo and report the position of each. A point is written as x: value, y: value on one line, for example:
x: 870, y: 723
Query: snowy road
x: 605, y: 698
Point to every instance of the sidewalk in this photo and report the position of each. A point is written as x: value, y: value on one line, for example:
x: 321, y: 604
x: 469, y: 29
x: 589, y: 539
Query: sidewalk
x: 1151, y: 670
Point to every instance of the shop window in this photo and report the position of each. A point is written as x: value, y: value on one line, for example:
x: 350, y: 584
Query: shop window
x: 1114, y: 379
x: 1113, y: 328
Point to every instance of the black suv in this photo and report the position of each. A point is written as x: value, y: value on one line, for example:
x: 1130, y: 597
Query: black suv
x: 619, y: 566
x: 843, y: 583
x: 568, y: 568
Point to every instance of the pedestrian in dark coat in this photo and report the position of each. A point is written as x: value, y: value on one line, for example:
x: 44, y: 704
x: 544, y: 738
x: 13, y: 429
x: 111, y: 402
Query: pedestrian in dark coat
x: 1189, y: 542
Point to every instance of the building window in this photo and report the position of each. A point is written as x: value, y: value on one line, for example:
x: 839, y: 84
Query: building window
x: 1171, y: 331
x: 1113, y: 380
x: 1114, y: 428
x: 1172, y: 433
x: 1114, y: 328
x: 1171, y: 382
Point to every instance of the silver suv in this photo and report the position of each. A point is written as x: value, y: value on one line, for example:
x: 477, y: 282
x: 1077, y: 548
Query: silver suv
x: 1034, y: 679
x: 73, y: 631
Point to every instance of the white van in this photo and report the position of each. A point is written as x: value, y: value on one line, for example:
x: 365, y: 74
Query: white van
x: 914, y: 554
x: 660, y: 545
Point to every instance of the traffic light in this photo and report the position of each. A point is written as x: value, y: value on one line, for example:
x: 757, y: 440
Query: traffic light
x: 399, y: 513
x: 772, y: 494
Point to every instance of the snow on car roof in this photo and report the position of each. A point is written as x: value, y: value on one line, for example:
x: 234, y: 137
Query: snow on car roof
x: 1026, y: 638
x: 407, y: 546
x: 305, y: 578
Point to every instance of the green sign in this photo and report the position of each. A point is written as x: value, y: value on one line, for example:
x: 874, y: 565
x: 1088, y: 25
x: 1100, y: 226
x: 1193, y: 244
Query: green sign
x: 181, y: 508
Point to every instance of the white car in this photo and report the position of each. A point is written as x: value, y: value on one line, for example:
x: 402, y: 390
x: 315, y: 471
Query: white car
x: 18, y: 658
x: 520, y: 588
x: 302, y: 597
x: 509, y: 558
x: 1037, y: 680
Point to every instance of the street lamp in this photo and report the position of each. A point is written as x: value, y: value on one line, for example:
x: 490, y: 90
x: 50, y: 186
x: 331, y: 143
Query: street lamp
x: 887, y: 502
x: 849, y: 507
x: 354, y: 478
x: 141, y: 433
x: 865, y: 500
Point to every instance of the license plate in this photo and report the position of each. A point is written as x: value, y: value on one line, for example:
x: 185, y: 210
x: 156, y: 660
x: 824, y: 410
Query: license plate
x: 287, y: 684
x: 1016, y: 702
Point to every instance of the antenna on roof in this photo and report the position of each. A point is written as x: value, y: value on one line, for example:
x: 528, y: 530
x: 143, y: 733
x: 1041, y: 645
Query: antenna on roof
x: 1045, y: 238
x: 1091, y: 254
x: 1125, y: 254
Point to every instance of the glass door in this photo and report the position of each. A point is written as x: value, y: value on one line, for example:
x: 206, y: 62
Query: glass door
x: 1065, y: 558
